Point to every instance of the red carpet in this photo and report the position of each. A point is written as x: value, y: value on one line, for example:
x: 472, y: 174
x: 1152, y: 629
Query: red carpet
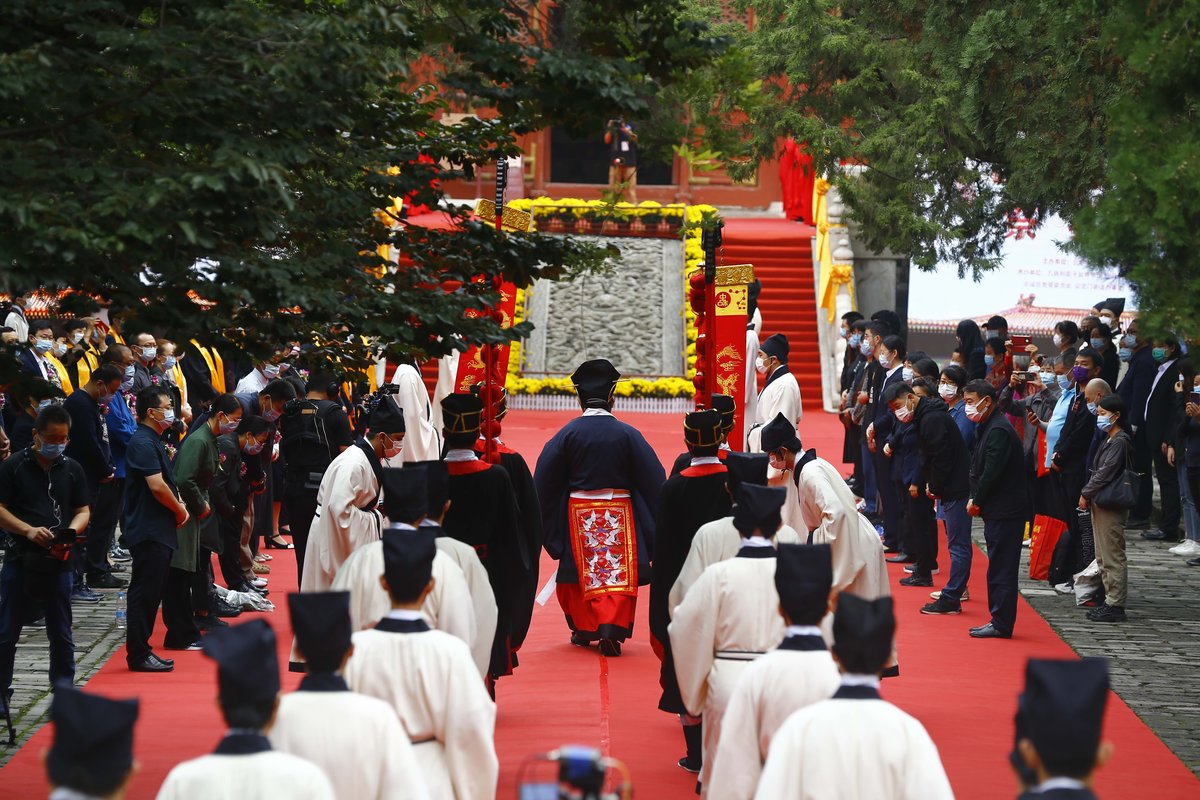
x: 962, y: 690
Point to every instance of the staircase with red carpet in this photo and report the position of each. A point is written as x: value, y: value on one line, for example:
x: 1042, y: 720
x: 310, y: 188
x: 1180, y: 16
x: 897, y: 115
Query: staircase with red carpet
x: 781, y: 252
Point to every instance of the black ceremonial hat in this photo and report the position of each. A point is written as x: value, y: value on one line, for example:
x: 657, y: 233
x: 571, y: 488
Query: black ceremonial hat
x: 595, y: 378
x: 93, y: 735
x: 777, y: 346
x: 247, y: 664
x: 408, y: 560
x: 387, y: 416
x: 437, y: 484
x: 321, y: 622
x: 1065, y: 702
x: 462, y: 413
x: 863, y: 632
x: 723, y: 404
x: 746, y: 468
x: 803, y: 578
x: 405, y: 494
x: 758, y: 508
x: 702, y: 428
x: 1021, y: 725
x: 1115, y: 305
x: 779, y: 433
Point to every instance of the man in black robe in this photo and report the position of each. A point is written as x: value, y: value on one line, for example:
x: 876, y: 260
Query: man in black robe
x: 722, y: 404
x: 483, y: 514
x: 689, y: 499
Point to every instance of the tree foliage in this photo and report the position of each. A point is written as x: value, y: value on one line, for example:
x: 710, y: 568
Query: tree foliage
x: 966, y: 110
x: 237, y: 152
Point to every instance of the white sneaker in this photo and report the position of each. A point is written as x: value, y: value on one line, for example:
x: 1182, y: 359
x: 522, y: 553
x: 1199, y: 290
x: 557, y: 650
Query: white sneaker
x: 1188, y: 547
x: 1064, y: 588
x: 966, y: 595
x: 259, y: 583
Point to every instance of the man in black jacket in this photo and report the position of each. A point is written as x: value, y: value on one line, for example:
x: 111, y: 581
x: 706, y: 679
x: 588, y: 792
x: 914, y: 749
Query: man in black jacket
x: 998, y: 494
x: 1069, y: 464
x: 946, y: 466
x: 889, y: 355
x: 1159, y: 413
x: 1134, y: 389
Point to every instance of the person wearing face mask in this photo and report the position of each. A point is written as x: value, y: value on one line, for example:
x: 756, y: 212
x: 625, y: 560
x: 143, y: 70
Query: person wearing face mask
x: 14, y: 314
x: 1110, y: 360
x: 110, y: 500
x: 995, y: 328
x: 1185, y: 452
x: 153, y: 515
x: 1032, y: 400
x: 994, y: 353
x: 168, y: 364
x: 81, y: 358
x: 890, y: 354
x: 970, y: 344
x: 853, y: 364
x: 1108, y: 465
x: 35, y: 358
x: 1157, y: 414
x: 347, y: 516
x: 190, y: 576
x: 858, y: 407
x: 919, y: 545
x: 780, y: 394
x: 90, y: 448
x: 43, y: 505
x: 263, y: 373
x: 237, y: 478
x: 145, y: 366
x: 28, y: 400
x: 998, y: 496
x: 1134, y: 389
x: 1066, y: 336
x: 951, y: 382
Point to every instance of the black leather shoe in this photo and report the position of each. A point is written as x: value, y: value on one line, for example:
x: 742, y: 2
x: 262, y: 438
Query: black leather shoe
x: 579, y: 640
x: 902, y: 558
x: 688, y: 765
x: 222, y: 609
x: 106, y: 582
x: 210, y: 622
x: 942, y: 606
x: 989, y: 632
x: 917, y: 580
x: 610, y: 647
x: 1159, y: 535
x: 151, y: 663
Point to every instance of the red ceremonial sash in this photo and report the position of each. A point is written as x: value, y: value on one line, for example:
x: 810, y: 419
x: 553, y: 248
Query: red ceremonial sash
x: 604, y: 543
x: 704, y: 469
x: 466, y: 467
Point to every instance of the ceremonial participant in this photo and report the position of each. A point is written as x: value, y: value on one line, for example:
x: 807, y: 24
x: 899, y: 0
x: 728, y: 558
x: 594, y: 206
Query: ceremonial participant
x: 347, y: 517
x: 428, y: 678
x: 529, y: 515
x: 599, y: 482
x: 314, y: 431
x: 827, y: 508
x: 357, y: 740
x: 690, y: 499
x: 483, y: 514
x: 447, y: 608
x: 92, y: 753
x: 244, y: 765
x: 781, y: 393
x: 855, y: 745
x: 483, y: 599
x: 724, y: 406
x: 730, y: 617
x: 422, y: 439
x: 798, y: 673
x: 753, y: 325
x: 1063, y: 704
x: 998, y: 495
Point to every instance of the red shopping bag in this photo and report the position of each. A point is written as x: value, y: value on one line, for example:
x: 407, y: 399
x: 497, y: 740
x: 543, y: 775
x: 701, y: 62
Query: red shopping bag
x: 1046, y: 533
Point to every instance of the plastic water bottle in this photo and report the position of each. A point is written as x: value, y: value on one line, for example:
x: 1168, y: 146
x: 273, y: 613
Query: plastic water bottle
x: 121, y: 610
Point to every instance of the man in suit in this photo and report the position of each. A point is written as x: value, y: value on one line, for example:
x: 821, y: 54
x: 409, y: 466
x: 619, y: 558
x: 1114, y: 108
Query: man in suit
x: 1069, y: 463
x: 35, y: 358
x: 1158, y: 414
x: 890, y: 356
x: 1134, y: 389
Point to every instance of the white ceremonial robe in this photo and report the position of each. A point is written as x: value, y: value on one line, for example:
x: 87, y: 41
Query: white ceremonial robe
x: 422, y: 441
x: 483, y: 599
x: 431, y: 681
x: 237, y: 777
x: 357, y: 741
x: 714, y: 542
x: 828, y: 510
x: 728, y: 618
x: 448, y: 608
x: 447, y: 375
x: 780, y: 396
x: 750, y: 411
x: 770, y: 689
x: 851, y: 749
x: 343, y: 522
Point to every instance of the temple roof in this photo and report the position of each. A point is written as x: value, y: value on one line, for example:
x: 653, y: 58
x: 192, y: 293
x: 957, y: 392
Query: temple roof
x: 1023, y: 318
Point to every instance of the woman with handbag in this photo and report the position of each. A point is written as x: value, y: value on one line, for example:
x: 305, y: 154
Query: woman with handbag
x: 1109, y: 494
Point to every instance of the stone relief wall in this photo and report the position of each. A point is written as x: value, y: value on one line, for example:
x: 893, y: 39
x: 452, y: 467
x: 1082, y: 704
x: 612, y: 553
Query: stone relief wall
x: 633, y: 316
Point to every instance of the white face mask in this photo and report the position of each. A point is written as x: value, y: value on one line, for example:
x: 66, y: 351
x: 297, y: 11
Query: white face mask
x: 393, y: 447
x: 904, y: 413
x: 760, y: 365
x: 947, y: 391
x: 1058, y: 340
x: 77, y: 337
x: 973, y: 412
x: 148, y: 353
x: 885, y: 361
x: 907, y: 374
x: 270, y: 370
x: 60, y: 349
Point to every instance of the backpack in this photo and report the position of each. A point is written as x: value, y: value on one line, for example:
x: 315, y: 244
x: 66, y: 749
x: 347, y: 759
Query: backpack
x: 304, y: 445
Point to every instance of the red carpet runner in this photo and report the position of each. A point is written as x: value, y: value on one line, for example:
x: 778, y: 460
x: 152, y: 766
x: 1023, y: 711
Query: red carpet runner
x: 963, y: 690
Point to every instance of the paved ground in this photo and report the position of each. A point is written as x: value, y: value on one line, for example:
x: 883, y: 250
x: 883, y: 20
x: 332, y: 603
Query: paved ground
x: 1153, y: 657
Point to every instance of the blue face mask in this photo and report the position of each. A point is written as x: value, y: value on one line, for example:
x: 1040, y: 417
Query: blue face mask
x: 42, y: 406
x: 1160, y: 354
x: 229, y: 425
x: 989, y: 361
x: 52, y: 451
x: 865, y: 347
x: 1092, y: 407
x: 1064, y: 382
x: 169, y: 362
x: 1129, y: 340
x: 1104, y: 423
x: 43, y: 345
x: 1125, y: 353
x: 845, y: 333
x: 855, y: 339
x: 130, y: 372
x: 1097, y: 343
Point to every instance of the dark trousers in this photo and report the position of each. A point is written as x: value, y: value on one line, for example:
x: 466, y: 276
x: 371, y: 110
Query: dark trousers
x: 106, y: 510
x: 151, y: 562
x: 1003, y: 537
x: 922, y: 533
x: 301, y: 507
x: 18, y: 591
x: 870, y: 487
x: 889, y: 499
x: 1142, y: 465
x: 1168, y: 489
x: 230, y: 556
x: 177, y: 609
x: 202, y: 583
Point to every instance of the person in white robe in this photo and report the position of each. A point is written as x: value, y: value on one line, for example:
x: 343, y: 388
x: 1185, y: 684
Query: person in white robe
x: 753, y: 327
x: 729, y: 617
x: 244, y: 764
x: 719, y: 540
x: 422, y: 442
x: 798, y: 673
x: 428, y: 677
x: 447, y: 376
x: 357, y: 740
x: 780, y: 395
x: 347, y: 517
x: 855, y: 744
x: 92, y: 752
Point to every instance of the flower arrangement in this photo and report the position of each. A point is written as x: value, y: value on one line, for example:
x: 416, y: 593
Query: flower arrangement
x: 565, y: 212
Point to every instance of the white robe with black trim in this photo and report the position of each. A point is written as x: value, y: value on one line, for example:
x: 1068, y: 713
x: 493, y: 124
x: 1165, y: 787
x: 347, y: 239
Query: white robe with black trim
x: 345, y: 519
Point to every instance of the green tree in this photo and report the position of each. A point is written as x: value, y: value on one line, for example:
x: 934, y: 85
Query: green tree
x: 965, y: 111
x: 233, y: 155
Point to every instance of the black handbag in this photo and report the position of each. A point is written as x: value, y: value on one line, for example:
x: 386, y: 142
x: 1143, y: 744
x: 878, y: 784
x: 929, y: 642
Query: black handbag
x: 1121, y: 494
